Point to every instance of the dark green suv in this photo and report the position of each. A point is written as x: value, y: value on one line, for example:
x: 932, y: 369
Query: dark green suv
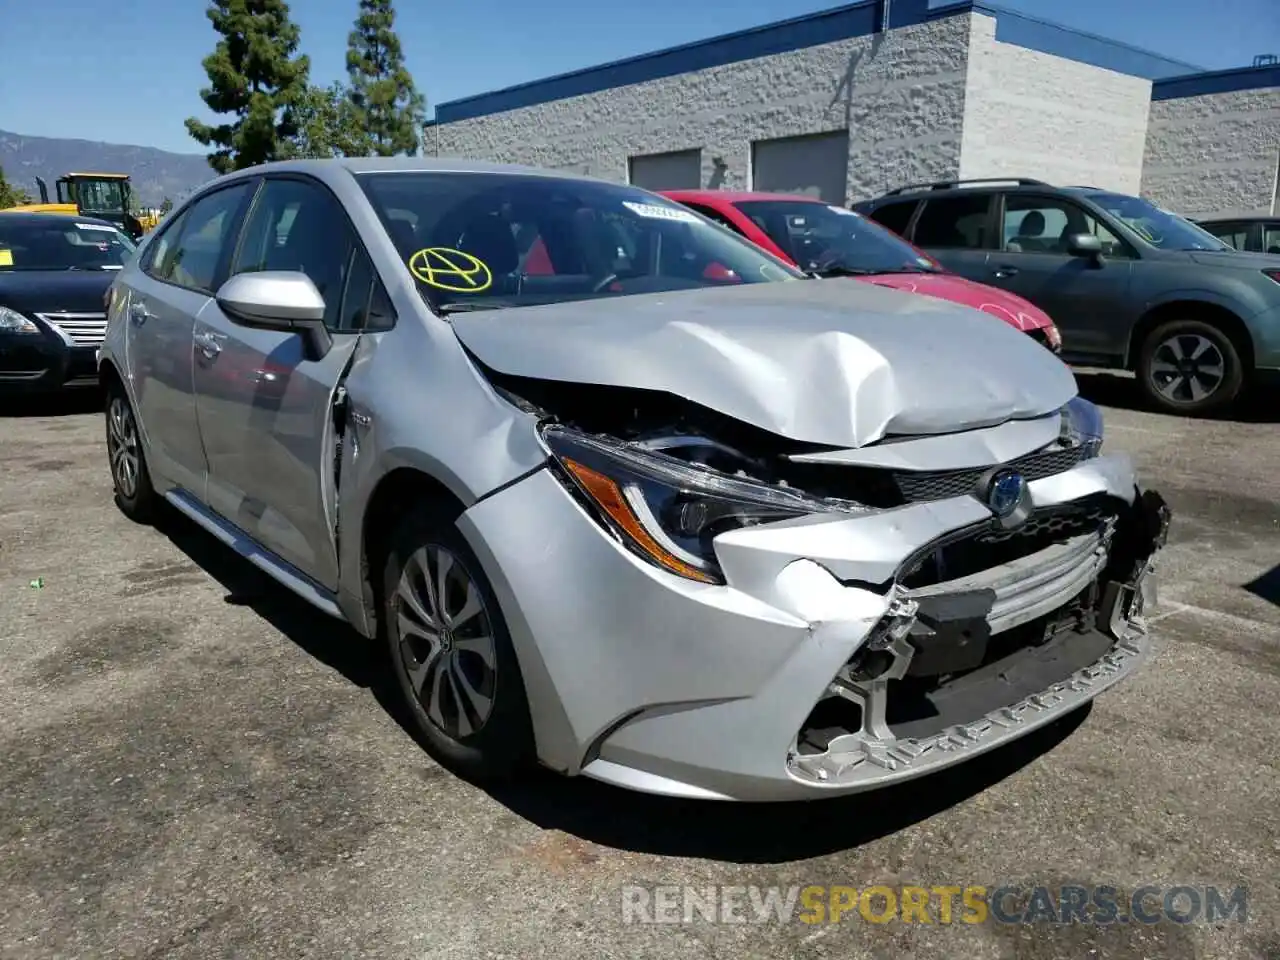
x: 1131, y: 286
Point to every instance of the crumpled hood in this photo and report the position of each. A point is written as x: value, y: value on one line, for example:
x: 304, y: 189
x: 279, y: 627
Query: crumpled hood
x: 811, y: 360
x: 1012, y: 309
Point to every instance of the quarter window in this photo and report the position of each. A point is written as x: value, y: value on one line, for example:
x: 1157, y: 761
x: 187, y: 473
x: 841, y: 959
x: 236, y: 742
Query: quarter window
x: 1233, y: 234
x: 895, y: 216
x: 954, y: 223
x: 1271, y: 238
x: 298, y: 226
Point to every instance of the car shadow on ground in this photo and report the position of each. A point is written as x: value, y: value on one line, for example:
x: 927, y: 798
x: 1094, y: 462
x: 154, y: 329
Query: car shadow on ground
x: 1266, y: 586
x: 749, y: 833
x: 1110, y: 388
x: 64, y: 404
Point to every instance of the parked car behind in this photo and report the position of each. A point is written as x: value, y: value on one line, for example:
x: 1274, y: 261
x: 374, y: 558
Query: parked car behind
x: 54, y: 272
x: 671, y: 515
x: 830, y: 241
x: 1250, y: 234
x: 1131, y: 286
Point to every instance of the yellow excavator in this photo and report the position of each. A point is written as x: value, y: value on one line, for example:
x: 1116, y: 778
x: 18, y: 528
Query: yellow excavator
x: 108, y: 196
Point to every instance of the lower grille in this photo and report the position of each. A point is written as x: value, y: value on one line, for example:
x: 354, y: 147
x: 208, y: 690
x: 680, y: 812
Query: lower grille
x: 942, y: 484
x: 80, y: 329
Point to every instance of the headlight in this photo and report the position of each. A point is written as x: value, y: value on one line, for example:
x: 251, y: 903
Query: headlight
x: 667, y: 510
x: 1082, y: 426
x: 11, y: 321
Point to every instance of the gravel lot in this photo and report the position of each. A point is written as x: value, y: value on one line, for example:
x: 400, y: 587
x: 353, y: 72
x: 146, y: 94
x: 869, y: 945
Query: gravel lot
x: 194, y: 764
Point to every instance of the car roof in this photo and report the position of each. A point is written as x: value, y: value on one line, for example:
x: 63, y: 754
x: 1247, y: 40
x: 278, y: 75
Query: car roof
x: 985, y: 185
x: 736, y: 196
x: 1252, y: 218
x: 45, y: 217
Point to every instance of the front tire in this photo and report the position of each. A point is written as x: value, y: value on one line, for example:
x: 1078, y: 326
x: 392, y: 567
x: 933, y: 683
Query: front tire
x: 1191, y: 368
x: 452, y: 654
x: 130, y: 478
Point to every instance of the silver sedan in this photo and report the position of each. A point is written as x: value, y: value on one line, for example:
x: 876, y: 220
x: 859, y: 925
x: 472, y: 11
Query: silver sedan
x: 618, y: 491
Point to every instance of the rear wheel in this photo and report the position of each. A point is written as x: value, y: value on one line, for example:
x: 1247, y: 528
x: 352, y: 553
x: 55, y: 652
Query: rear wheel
x: 1190, y: 367
x: 451, y: 652
x: 134, y: 494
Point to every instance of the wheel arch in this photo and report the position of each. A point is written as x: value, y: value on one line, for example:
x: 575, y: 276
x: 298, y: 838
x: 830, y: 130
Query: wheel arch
x: 1214, y: 314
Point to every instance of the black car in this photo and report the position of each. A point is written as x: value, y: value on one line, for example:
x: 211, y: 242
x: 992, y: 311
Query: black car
x: 1131, y: 286
x: 1251, y: 234
x: 54, y: 273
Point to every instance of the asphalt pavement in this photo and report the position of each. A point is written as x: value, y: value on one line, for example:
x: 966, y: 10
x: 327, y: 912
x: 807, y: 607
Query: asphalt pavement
x: 195, y: 764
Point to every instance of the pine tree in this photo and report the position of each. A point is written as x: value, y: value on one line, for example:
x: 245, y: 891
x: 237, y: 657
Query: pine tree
x: 389, y: 113
x: 325, y: 125
x: 255, y: 75
x: 11, y: 196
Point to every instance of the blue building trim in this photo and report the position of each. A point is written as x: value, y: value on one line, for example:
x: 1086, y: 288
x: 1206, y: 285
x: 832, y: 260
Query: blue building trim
x: 842, y: 23
x: 1217, y: 81
x: 1081, y: 46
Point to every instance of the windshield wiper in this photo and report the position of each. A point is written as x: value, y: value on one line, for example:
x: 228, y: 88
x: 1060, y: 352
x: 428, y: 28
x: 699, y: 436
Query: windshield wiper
x: 468, y: 306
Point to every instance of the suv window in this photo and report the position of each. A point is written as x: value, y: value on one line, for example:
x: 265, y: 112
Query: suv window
x: 189, y: 252
x: 1271, y: 238
x: 1042, y: 225
x: 954, y: 222
x: 1234, y: 234
x: 895, y: 216
x: 298, y: 225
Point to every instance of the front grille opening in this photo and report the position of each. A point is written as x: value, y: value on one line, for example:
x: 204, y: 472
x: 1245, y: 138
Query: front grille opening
x: 1017, y: 664
x: 943, y: 484
x: 991, y: 547
x: 831, y: 717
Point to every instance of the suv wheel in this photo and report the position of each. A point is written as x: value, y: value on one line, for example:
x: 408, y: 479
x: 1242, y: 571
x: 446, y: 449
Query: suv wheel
x: 1190, y: 367
x: 451, y: 652
x: 134, y: 494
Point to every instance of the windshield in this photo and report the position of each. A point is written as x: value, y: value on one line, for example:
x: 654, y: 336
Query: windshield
x: 66, y: 245
x: 482, y: 240
x: 826, y: 239
x: 1160, y: 228
x: 100, y: 196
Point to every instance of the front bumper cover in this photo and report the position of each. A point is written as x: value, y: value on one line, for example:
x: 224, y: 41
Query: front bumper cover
x: 652, y: 682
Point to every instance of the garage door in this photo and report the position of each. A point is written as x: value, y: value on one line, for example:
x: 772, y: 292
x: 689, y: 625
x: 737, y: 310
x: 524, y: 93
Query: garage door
x: 815, y: 165
x: 681, y: 170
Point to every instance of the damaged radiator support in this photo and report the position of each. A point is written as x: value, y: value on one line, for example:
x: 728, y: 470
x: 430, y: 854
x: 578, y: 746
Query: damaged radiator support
x: 951, y: 664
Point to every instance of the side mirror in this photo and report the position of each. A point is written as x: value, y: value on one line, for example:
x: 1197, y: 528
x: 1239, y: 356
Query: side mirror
x: 1084, y: 245
x: 283, y: 300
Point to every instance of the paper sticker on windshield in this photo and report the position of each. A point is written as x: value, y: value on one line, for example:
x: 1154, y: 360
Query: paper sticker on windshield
x: 447, y: 269
x: 841, y: 210
x: 96, y: 226
x: 654, y: 211
x: 6, y: 258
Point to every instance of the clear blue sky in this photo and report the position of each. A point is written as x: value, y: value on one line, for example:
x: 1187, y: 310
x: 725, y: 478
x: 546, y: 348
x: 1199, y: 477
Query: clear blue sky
x: 130, y: 72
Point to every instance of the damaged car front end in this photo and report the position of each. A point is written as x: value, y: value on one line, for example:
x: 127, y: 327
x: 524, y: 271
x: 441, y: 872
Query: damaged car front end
x: 766, y: 619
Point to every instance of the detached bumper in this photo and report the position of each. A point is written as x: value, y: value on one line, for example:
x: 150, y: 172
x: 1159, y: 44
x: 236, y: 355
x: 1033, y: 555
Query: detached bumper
x: 844, y: 654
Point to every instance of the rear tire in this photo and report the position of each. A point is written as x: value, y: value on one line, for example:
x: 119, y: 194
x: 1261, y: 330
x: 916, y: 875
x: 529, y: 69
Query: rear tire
x: 1190, y: 367
x: 130, y: 478
x: 451, y: 652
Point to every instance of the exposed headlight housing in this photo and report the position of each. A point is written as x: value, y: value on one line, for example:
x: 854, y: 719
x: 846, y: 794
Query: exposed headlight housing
x: 1082, y: 426
x: 668, y: 510
x: 11, y: 321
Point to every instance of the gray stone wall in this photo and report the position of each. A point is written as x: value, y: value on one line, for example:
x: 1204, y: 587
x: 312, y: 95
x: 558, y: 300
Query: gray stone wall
x: 1215, y: 154
x: 1036, y: 115
x: 901, y: 96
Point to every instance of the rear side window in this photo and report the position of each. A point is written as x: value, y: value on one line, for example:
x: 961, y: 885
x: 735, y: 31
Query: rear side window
x: 958, y: 222
x: 895, y: 216
x: 1233, y: 234
x: 713, y: 214
x: 1271, y: 238
x: 202, y: 234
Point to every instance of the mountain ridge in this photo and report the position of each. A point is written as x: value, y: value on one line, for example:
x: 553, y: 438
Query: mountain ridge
x: 156, y: 173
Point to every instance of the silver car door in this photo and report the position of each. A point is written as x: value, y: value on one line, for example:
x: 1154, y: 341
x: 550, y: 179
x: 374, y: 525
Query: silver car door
x: 172, y: 285
x: 264, y: 406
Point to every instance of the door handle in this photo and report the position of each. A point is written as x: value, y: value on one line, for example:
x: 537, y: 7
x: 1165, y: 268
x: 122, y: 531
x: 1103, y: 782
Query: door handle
x: 208, y: 343
x: 138, y: 313
x: 1004, y: 270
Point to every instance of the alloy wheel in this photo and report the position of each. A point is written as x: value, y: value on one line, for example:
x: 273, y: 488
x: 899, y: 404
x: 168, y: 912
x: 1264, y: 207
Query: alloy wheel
x: 1187, y: 368
x: 446, y: 641
x: 122, y: 447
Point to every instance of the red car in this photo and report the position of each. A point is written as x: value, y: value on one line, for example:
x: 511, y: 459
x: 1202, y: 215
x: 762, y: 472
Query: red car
x: 831, y: 241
